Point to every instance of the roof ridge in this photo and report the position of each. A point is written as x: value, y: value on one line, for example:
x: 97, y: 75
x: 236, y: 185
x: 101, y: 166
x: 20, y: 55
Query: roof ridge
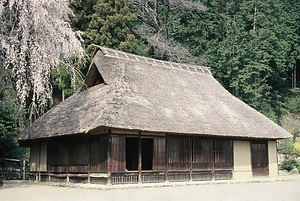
x: 168, y: 64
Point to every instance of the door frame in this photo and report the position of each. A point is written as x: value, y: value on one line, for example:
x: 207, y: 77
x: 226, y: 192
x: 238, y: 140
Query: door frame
x: 261, y: 172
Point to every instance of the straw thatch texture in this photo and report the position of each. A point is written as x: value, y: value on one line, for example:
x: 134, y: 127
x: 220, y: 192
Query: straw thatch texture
x: 156, y: 97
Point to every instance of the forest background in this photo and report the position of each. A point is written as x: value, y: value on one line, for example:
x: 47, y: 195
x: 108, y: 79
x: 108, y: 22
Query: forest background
x: 252, y: 47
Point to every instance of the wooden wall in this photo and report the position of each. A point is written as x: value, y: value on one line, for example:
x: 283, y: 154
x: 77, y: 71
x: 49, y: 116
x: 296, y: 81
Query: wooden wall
x: 73, y: 155
x: 159, y: 154
x: 99, y: 148
x: 173, y: 158
x: 202, y: 154
x: 118, y: 156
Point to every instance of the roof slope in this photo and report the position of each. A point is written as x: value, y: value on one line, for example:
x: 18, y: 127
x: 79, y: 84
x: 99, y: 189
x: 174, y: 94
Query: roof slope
x: 151, y: 95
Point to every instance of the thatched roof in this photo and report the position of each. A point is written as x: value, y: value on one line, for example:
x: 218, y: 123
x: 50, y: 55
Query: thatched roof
x: 142, y: 94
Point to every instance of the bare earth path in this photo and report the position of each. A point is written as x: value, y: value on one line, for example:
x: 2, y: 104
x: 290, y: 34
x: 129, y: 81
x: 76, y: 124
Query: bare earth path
x: 288, y: 190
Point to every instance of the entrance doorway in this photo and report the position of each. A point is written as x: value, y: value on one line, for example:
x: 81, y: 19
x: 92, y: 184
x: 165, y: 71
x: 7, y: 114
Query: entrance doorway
x: 132, y: 153
x: 259, y: 158
x: 147, y: 154
x: 132, y: 158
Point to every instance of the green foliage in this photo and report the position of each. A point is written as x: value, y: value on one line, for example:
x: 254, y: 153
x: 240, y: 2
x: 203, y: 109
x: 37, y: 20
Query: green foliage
x: 289, y: 164
x: 64, y: 83
x: 293, y: 104
x: 105, y: 23
x: 298, y: 168
x: 296, y: 145
x: 252, y: 47
x: 1, y: 182
x: 251, y: 58
x: 285, y: 146
x: 11, y: 121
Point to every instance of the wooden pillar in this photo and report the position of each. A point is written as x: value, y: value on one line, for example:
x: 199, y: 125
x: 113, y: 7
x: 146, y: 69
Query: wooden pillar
x: 48, y: 159
x: 191, y: 158
x: 167, y: 159
x: 40, y: 151
x: 67, y: 143
x: 140, y: 159
x: 39, y: 166
x: 213, y: 159
x: 109, y: 158
x: 89, y: 162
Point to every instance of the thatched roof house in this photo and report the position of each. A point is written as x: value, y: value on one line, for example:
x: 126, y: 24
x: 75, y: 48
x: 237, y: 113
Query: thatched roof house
x: 142, y: 94
x: 134, y: 94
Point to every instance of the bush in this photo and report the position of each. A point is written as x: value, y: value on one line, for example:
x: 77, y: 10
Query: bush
x: 1, y: 182
x: 289, y: 164
x: 298, y: 168
x: 293, y: 104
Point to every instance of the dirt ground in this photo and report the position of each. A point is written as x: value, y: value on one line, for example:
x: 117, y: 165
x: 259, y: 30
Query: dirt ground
x: 287, y: 189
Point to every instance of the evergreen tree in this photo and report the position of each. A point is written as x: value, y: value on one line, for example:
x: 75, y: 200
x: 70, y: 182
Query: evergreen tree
x: 11, y: 122
x: 105, y: 23
x: 255, y: 53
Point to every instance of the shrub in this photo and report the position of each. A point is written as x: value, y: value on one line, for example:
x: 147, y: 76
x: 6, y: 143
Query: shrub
x: 293, y: 104
x: 298, y: 168
x: 289, y: 164
x: 1, y: 182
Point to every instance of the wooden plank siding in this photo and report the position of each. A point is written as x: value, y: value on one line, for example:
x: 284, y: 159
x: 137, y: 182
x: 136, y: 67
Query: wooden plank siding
x: 118, y: 152
x: 223, y: 156
x: 161, y: 158
x: 99, y: 147
x: 179, y: 153
x: 202, y: 154
x: 78, y: 155
x: 72, y: 155
x: 207, y: 154
x: 58, y: 157
x: 159, y: 155
x: 259, y: 158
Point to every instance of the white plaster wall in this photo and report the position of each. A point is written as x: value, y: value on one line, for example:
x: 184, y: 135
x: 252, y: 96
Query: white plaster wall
x: 43, y: 157
x: 34, y: 157
x: 272, y: 155
x: 38, y: 157
x: 242, y: 160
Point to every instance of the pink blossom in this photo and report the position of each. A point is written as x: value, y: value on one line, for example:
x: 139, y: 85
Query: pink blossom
x: 35, y: 38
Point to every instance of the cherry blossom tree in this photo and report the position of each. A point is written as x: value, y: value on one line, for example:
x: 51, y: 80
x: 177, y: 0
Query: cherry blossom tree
x: 35, y: 39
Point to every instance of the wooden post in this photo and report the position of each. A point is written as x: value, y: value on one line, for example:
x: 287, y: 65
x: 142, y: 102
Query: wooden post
x: 140, y: 159
x: 109, y: 158
x: 68, y: 160
x: 167, y: 159
x: 48, y: 159
x: 39, y: 174
x: 213, y: 159
x: 89, y: 163
x: 191, y: 158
